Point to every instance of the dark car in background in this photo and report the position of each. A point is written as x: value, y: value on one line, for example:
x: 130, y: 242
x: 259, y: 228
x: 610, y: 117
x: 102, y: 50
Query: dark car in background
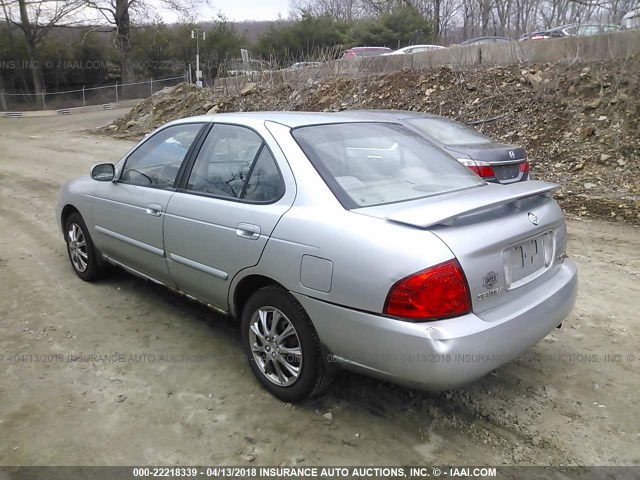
x: 494, y: 161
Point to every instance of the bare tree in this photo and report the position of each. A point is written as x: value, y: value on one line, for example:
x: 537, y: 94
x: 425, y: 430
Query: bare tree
x: 120, y: 16
x: 35, y: 19
x: 346, y: 10
x: 459, y: 19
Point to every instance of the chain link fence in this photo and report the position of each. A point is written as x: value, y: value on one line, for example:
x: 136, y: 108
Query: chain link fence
x: 13, y: 102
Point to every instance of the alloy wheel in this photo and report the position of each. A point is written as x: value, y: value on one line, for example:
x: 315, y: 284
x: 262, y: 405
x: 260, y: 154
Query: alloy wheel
x: 275, y: 346
x: 77, y: 247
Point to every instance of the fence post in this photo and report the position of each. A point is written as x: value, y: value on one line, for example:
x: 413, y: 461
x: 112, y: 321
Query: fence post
x: 4, y: 104
x: 44, y: 103
x: 84, y: 99
x: 151, y: 83
x: 117, y: 91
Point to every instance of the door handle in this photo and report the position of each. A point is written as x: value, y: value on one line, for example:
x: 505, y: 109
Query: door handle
x: 154, y: 209
x: 248, y: 230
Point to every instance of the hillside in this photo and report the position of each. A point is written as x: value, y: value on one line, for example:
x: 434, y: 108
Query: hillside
x: 579, y: 122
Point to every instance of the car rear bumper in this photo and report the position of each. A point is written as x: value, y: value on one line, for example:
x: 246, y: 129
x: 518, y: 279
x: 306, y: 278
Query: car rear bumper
x: 447, y: 353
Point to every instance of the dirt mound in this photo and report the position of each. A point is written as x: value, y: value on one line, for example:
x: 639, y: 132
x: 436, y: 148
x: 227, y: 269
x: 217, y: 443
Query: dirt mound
x: 180, y: 101
x: 579, y: 122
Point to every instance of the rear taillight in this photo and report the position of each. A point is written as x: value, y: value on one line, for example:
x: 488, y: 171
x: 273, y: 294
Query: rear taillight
x: 483, y: 169
x: 434, y: 293
x: 524, y: 166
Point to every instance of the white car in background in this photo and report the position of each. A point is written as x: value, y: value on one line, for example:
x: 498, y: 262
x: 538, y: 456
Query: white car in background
x: 414, y: 49
x: 631, y: 19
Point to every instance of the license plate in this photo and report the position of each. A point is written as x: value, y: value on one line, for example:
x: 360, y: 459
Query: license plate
x: 526, y: 260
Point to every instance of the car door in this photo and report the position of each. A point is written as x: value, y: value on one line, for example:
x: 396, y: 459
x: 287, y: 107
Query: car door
x: 219, y: 221
x: 129, y: 212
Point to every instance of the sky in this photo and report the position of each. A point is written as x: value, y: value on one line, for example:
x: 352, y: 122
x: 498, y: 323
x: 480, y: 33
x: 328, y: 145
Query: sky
x: 239, y: 10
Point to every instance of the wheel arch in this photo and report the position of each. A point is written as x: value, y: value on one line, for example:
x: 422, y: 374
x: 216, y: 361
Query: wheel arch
x: 66, y: 212
x: 246, y: 287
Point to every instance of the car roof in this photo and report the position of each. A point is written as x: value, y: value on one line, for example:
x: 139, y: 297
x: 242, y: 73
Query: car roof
x: 422, y: 45
x: 289, y: 119
x: 487, y: 37
x: 631, y: 14
x: 397, y: 115
x: 369, y: 48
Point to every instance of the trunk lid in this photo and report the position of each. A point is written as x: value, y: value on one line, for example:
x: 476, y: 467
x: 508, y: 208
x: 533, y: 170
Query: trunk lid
x: 505, y: 159
x: 507, y: 238
x: 491, y: 152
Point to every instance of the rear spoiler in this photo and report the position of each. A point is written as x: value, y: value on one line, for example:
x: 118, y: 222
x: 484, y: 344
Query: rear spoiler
x: 447, y: 208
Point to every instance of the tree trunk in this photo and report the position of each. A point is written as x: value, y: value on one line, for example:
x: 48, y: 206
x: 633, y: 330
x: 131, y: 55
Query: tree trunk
x: 122, y: 40
x: 436, y: 19
x: 29, y: 34
x: 485, y: 15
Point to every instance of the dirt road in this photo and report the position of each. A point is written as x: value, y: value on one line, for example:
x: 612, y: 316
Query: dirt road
x: 123, y: 372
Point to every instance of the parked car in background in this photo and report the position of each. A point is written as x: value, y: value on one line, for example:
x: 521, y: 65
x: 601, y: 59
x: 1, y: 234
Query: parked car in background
x: 581, y: 30
x: 631, y: 19
x: 335, y: 241
x: 495, y: 162
x: 594, y: 29
x: 237, y: 66
x: 366, y: 52
x: 298, y: 65
x: 538, y: 35
x: 415, y: 49
x: 483, y: 41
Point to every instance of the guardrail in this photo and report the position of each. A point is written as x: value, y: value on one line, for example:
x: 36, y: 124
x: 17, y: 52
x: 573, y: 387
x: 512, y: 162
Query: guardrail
x: 73, y: 111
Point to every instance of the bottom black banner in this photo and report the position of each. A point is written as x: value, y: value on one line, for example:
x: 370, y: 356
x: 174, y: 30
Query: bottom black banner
x: 320, y: 472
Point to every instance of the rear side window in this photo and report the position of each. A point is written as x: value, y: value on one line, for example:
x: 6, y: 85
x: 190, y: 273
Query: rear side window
x: 367, y: 164
x: 157, y: 161
x: 264, y: 183
x: 234, y: 162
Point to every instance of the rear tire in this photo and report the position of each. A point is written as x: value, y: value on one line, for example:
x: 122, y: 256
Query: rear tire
x: 81, y: 251
x: 282, y: 347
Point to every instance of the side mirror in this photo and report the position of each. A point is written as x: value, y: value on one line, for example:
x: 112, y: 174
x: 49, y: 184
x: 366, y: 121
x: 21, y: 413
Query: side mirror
x: 103, y: 172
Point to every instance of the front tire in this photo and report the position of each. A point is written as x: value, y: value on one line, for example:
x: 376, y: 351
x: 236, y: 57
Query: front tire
x: 281, y: 345
x: 80, y: 248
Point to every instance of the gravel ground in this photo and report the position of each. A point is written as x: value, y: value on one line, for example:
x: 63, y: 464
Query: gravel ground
x: 124, y: 372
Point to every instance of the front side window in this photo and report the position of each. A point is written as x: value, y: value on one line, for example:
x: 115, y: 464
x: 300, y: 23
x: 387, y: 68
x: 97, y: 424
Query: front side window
x: 367, y: 164
x: 448, y: 132
x: 157, y: 161
x: 235, y: 162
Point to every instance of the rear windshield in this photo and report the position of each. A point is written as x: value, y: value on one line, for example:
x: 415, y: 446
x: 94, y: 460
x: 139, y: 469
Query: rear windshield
x: 368, y: 164
x: 448, y: 132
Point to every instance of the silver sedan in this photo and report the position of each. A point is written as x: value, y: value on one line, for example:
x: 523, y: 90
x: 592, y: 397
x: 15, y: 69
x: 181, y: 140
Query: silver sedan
x: 335, y: 241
